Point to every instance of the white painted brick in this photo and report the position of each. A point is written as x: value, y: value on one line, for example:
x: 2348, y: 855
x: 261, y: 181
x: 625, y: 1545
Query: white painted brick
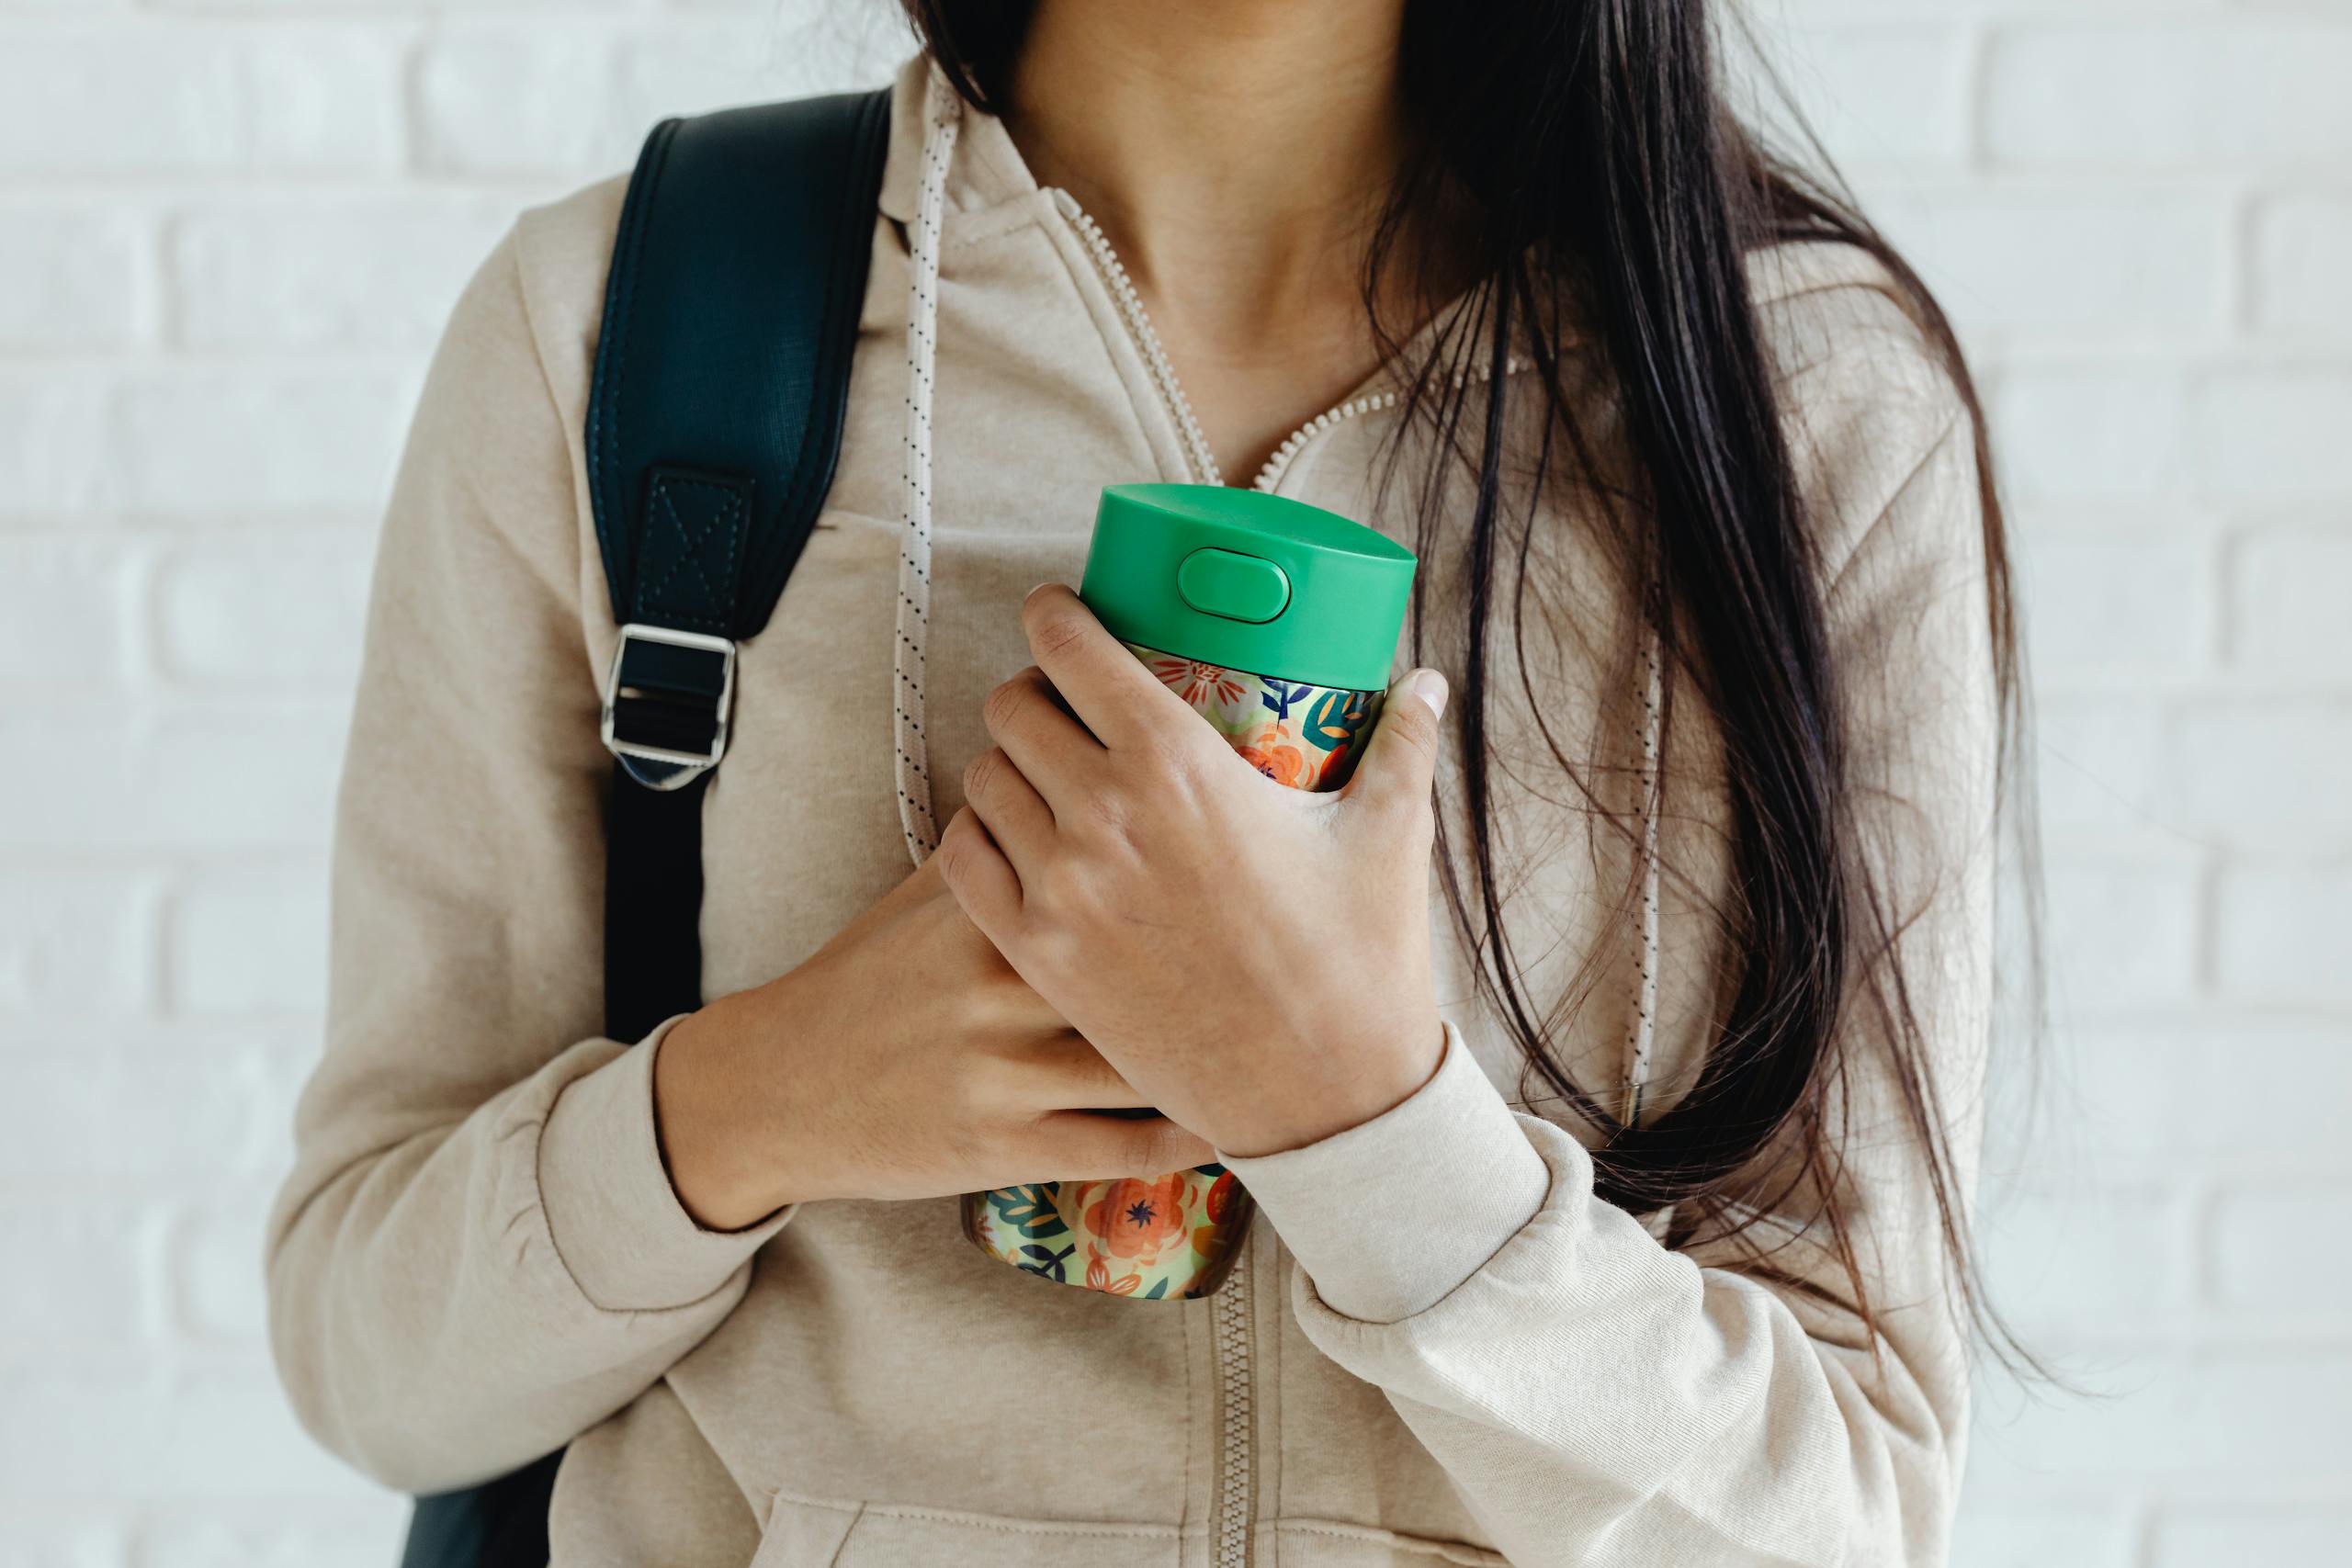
x: 2113, y: 431
x: 2283, y: 1253
x: 280, y: 1074
x: 2091, y: 1257
x: 118, y: 101
x: 2123, y: 603
x: 2116, y: 1096
x: 2287, y: 603
x: 2231, y: 1097
x: 174, y: 99
x: 2285, y: 935
x: 64, y: 630
x: 1875, y: 94
x: 2302, y: 258
x: 268, y: 779
x: 673, y: 69
x: 2249, y: 1416
x: 227, y: 613
x: 2225, y: 1537
x: 232, y: 441
x: 2273, y: 436
x: 2005, y: 1534
x: 29, y: 1543
x: 309, y: 8
x: 511, y: 99
x: 2265, y: 1095
x: 357, y: 1535
x: 98, y: 1427
x: 2264, y: 774
x: 86, y: 1112
x: 517, y: 100
x: 252, y: 943
x: 1994, y: 10
x: 2073, y: 265
x: 2123, y: 933
x: 325, y: 98
x: 217, y: 1288
x: 2094, y: 762
x: 2158, y: 96
x: 79, y: 1268
x: 238, y: 780
x: 373, y: 273
x: 73, y: 276
x: 72, y: 942
x: 52, y: 441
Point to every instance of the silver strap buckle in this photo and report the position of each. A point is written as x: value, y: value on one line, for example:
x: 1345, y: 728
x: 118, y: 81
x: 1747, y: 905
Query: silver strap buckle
x: 667, y: 686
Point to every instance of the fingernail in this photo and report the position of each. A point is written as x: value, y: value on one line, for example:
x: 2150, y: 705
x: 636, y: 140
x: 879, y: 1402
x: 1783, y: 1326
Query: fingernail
x: 1431, y: 687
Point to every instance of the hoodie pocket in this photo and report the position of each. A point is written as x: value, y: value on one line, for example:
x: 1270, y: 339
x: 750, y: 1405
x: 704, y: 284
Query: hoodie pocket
x: 807, y: 1533
x: 885, y: 1538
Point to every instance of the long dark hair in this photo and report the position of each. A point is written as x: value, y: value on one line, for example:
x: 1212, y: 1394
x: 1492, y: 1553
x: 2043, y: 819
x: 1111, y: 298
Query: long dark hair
x: 1589, y: 166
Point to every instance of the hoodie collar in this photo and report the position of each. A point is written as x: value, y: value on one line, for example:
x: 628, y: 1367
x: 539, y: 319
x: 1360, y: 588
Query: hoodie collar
x: 986, y: 170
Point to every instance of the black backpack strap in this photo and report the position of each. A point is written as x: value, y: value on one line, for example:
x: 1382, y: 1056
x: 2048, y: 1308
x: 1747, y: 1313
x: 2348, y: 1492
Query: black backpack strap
x: 721, y: 381
x: 722, y: 376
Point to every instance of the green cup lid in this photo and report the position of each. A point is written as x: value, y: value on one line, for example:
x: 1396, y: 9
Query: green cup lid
x: 1247, y: 581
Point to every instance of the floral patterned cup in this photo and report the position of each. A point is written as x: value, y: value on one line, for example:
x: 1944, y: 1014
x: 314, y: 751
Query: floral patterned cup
x: 1178, y: 1236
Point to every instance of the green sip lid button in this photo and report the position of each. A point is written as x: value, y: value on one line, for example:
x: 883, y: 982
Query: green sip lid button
x: 1246, y: 580
x: 1229, y: 584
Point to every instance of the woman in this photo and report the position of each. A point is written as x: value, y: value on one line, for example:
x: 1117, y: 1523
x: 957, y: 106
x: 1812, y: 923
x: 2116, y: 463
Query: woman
x: 1610, y: 1106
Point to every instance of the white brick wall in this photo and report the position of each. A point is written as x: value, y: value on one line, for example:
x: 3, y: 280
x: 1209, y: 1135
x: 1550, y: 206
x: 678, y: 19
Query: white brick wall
x: 229, y: 231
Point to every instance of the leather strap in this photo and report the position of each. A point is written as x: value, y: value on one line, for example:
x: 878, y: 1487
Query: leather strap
x: 723, y: 373
x: 652, y: 965
x: 721, y: 382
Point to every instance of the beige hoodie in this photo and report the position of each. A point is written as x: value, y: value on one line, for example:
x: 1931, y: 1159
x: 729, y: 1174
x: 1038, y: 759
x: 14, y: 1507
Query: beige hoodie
x: 1441, y: 1349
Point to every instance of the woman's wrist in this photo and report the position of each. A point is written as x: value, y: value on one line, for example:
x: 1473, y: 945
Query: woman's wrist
x: 716, y: 1145
x: 1375, y: 1082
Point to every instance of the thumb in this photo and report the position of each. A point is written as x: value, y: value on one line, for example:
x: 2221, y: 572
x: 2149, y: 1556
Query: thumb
x: 1399, y: 762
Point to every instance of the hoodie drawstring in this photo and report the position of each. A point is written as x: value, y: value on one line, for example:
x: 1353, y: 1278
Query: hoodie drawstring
x: 942, y: 117
x: 1650, y: 786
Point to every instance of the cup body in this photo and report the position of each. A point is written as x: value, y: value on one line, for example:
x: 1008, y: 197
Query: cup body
x: 1296, y: 734
x: 1178, y: 1236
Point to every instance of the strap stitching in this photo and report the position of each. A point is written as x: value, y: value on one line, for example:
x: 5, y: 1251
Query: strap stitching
x: 727, y: 518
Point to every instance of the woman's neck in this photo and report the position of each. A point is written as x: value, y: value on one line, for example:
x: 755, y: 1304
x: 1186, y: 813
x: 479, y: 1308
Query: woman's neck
x: 1236, y: 153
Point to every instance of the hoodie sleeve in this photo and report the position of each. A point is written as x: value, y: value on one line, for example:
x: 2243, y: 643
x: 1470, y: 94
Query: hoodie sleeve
x: 477, y: 1254
x: 1591, y: 1390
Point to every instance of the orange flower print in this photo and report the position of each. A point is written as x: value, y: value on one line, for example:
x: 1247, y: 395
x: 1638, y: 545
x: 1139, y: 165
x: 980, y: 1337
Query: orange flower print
x: 1098, y: 1275
x: 1135, y: 1219
x: 1218, y: 1204
x: 1220, y: 1198
x: 1273, y: 753
x: 1199, y: 684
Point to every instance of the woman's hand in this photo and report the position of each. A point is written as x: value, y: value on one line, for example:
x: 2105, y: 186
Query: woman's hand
x: 1254, y: 959
x: 905, y: 1060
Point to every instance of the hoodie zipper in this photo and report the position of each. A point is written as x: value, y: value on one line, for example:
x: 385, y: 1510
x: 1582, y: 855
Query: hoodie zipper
x: 1131, y: 311
x: 1272, y: 474
x: 1230, y: 1344
x: 1230, y: 1312
x: 1205, y: 470
x: 1230, y: 1349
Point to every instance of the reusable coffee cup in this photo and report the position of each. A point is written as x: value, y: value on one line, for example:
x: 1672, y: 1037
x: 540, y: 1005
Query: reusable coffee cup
x: 1276, y: 622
